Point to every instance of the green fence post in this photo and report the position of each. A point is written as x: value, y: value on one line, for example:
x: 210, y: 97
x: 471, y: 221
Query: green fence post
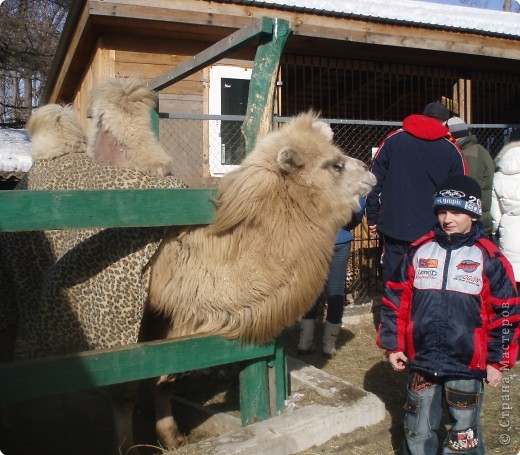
x: 281, y: 374
x: 254, y: 392
x: 154, y: 114
x: 262, y: 88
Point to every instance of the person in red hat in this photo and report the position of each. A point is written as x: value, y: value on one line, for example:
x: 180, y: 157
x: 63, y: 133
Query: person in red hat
x: 450, y: 315
x: 409, y: 164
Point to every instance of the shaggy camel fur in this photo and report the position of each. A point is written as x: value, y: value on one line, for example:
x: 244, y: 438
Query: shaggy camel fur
x: 122, y: 127
x: 55, y: 131
x: 262, y: 263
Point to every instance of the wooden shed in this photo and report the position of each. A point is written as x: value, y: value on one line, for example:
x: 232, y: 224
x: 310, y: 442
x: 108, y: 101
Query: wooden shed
x: 352, y: 59
x: 119, y: 38
x: 363, y: 65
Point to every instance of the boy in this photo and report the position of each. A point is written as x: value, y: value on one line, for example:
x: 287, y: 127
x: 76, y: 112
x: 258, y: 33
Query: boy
x: 450, y: 313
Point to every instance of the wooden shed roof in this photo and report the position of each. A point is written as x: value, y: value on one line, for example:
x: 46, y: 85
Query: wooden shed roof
x: 352, y: 29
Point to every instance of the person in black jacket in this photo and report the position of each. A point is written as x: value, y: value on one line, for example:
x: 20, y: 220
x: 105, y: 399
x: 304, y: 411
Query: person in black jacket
x: 409, y: 164
x: 450, y: 314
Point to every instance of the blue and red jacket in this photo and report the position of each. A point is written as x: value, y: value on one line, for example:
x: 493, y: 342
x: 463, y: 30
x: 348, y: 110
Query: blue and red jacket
x: 452, y: 306
x: 409, y: 165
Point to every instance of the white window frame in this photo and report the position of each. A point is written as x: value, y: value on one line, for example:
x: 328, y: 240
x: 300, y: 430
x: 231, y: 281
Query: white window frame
x: 216, y: 73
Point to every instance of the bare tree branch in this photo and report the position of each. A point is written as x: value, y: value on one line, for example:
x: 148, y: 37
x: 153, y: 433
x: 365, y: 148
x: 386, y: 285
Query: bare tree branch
x: 30, y: 33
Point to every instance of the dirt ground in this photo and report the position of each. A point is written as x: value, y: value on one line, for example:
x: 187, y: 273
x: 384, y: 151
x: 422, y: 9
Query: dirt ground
x: 80, y: 423
x: 360, y: 362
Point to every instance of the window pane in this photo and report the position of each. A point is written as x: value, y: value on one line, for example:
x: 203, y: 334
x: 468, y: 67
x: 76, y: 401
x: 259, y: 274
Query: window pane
x: 233, y: 102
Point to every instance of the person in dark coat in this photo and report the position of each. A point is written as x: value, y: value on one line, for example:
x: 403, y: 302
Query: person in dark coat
x: 409, y: 164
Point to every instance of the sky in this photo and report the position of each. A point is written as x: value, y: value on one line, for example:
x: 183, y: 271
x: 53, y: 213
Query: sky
x: 487, y: 4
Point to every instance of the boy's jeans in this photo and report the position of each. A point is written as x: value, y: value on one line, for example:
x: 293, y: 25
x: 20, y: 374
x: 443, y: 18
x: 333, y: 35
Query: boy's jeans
x: 424, y: 411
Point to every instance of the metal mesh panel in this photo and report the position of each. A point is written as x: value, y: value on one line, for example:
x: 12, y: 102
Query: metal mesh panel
x: 204, y: 147
x: 360, y: 140
x: 493, y: 138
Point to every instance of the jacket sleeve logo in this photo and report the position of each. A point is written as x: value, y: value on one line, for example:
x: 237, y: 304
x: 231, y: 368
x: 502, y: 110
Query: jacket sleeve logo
x: 428, y: 263
x: 468, y: 266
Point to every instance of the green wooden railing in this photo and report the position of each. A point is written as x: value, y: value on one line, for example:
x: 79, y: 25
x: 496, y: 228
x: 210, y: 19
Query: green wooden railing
x: 263, y: 373
x: 263, y: 376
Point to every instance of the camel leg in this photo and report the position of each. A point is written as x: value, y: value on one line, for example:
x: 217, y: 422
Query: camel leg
x: 156, y: 327
x: 167, y: 431
x: 122, y: 398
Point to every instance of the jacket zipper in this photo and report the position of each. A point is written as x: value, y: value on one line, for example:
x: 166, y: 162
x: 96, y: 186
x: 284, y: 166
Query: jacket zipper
x: 443, y: 287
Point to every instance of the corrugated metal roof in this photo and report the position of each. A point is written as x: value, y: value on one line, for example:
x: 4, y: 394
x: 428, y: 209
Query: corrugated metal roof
x: 406, y: 12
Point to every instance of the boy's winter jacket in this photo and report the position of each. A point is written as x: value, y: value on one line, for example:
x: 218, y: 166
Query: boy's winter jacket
x: 452, y: 306
x: 409, y: 165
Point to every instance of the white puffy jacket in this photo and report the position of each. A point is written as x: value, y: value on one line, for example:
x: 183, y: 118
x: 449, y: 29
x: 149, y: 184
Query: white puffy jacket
x: 505, y: 205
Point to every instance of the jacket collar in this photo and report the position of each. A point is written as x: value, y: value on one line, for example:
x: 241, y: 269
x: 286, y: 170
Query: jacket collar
x: 455, y: 241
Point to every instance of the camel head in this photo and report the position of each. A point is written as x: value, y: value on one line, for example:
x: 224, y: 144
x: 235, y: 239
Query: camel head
x: 300, y: 164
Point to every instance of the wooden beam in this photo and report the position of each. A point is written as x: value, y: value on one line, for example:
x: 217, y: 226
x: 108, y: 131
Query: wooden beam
x: 105, y: 208
x: 61, y: 374
x: 260, y: 103
x: 67, y: 52
x: 213, y: 53
x: 254, y: 395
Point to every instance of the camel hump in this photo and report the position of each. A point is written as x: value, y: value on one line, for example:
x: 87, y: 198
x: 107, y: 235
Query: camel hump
x: 122, y: 134
x: 55, y: 131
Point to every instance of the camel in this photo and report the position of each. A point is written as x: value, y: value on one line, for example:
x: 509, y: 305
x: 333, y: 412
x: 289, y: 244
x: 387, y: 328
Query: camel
x: 263, y: 261
x: 249, y: 275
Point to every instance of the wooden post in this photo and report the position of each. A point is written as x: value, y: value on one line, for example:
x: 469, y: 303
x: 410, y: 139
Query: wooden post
x: 259, y: 113
x: 282, y: 377
x: 154, y: 114
x: 254, y: 392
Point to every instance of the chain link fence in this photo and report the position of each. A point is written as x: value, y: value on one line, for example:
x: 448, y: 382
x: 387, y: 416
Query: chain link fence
x: 205, y: 147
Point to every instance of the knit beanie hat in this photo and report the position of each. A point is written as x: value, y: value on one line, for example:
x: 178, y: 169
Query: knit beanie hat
x: 458, y: 127
x: 459, y: 193
x: 437, y: 110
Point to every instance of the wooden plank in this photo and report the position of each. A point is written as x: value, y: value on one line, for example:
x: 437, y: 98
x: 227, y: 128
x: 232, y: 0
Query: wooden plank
x: 104, y: 367
x: 72, y: 35
x: 279, y: 364
x: 155, y: 46
x: 41, y: 210
x: 130, y: 56
x: 150, y: 71
x: 213, y: 53
x: 260, y: 101
x: 254, y: 392
x: 160, y: 15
